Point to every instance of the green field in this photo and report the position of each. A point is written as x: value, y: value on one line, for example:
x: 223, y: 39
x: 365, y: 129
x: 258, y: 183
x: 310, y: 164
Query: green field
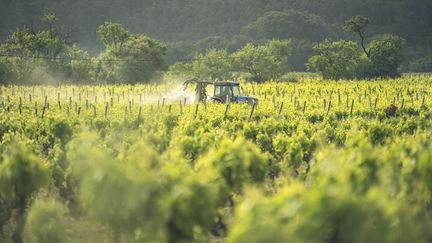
x: 314, y: 161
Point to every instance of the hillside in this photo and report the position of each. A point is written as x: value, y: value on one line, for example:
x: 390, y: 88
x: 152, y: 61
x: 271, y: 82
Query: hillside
x: 236, y: 22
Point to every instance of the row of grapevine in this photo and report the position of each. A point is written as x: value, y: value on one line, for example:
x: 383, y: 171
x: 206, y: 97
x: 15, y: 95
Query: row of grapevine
x: 312, y: 162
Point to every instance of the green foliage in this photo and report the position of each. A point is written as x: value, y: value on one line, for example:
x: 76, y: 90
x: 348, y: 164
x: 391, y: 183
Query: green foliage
x: 45, y: 222
x: 193, y: 209
x: 139, y: 59
x: 8, y: 71
x: 293, y: 151
x: 345, y: 203
x: 357, y: 24
x: 45, y: 56
x: 82, y: 66
x: 378, y: 134
x: 42, y: 56
x: 112, y: 34
x: 266, y: 62
x: 210, y: 43
x: 137, y: 208
x: 311, y: 216
x: 157, y: 174
x: 196, y: 20
x: 336, y: 59
x: 342, y: 59
x: 422, y: 64
x: 214, y: 65
x: 22, y: 175
x: 238, y: 163
x: 289, y: 24
x: 386, y: 55
x: 18, y: 163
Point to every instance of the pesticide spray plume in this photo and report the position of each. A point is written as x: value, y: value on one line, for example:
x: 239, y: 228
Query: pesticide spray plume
x: 176, y: 94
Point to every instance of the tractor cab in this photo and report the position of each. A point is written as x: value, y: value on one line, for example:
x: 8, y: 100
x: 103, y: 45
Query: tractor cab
x: 231, y: 91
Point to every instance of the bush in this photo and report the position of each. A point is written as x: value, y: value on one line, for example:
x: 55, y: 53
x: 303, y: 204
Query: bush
x: 238, y: 163
x: 138, y: 205
x: 320, y: 215
x: 22, y: 174
x: 18, y: 163
x: 378, y: 134
x: 346, y: 60
x: 45, y: 222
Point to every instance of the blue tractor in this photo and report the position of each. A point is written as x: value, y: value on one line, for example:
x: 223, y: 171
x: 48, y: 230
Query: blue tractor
x: 223, y: 92
x: 231, y: 91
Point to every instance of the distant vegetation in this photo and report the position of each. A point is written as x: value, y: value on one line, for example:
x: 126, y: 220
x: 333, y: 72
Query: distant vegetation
x: 341, y: 59
x: 44, y: 55
x: 189, y: 26
x: 260, y: 63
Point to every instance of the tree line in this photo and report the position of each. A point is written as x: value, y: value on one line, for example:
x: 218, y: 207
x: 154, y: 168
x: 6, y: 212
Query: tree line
x: 31, y: 55
x: 44, y: 55
x: 189, y: 26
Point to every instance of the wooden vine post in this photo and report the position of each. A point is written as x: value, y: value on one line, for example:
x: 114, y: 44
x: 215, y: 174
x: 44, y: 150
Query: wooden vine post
x: 226, y: 110
x: 304, y: 107
x: 329, y: 108
x: 281, y: 107
x: 252, y: 111
x: 106, y: 110
x: 196, y: 110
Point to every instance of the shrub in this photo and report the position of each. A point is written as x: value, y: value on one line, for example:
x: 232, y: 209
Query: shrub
x: 45, y: 222
x: 238, y: 163
x: 22, y: 174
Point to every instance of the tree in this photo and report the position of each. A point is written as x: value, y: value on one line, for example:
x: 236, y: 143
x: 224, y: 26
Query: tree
x: 180, y: 51
x: 336, y: 59
x: 215, y: 64
x: 386, y: 55
x: 35, y: 55
x: 340, y: 59
x: 302, y: 50
x: 50, y: 19
x: 137, y: 60
x: 237, y: 42
x: 8, y: 71
x: 81, y: 64
x: 420, y: 65
x: 282, y: 50
x: 357, y: 25
x: 112, y: 34
x: 212, y: 42
x: 289, y: 24
x: 263, y: 62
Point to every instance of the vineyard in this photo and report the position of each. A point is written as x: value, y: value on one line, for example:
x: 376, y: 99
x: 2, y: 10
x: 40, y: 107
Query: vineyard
x: 313, y: 161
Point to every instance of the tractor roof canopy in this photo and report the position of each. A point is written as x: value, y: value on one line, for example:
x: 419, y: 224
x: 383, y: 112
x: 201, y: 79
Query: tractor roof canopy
x: 226, y: 83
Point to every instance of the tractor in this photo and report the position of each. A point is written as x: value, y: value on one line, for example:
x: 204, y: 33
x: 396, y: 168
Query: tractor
x: 224, y: 92
x: 231, y: 91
